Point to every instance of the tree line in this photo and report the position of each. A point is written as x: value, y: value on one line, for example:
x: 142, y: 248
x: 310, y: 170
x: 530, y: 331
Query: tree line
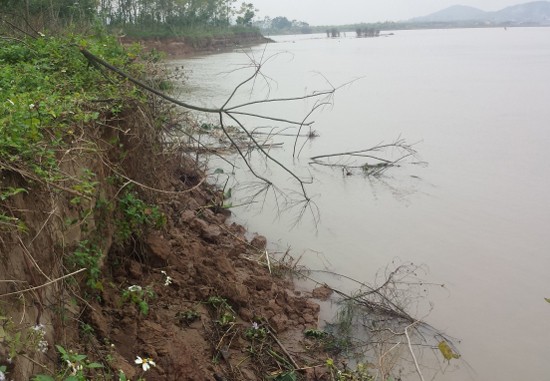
x: 143, y: 13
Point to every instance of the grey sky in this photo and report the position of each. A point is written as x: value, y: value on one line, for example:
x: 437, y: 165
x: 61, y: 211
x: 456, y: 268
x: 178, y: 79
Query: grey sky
x: 324, y: 12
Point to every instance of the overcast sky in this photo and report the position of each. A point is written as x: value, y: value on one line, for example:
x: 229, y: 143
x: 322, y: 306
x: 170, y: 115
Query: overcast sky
x: 333, y: 12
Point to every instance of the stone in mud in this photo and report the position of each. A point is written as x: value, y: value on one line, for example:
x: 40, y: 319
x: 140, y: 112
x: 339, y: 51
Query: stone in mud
x: 322, y: 292
x: 259, y: 242
x: 279, y: 322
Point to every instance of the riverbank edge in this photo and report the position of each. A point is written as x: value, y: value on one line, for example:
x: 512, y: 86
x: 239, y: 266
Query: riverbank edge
x: 202, y: 278
x: 181, y: 47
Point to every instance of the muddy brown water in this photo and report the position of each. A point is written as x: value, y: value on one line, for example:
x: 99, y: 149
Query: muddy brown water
x: 477, y: 216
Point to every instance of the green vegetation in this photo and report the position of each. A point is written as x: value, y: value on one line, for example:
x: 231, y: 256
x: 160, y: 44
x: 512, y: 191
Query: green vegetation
x: 139, y: 296
x: 62, y: 140
x: 135, y: 216
x: 139, y: 18
x: 50, y: 96
x: 75, y: 367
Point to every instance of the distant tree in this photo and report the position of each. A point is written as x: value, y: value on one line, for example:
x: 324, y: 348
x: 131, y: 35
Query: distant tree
x: 301, y: 26
x: 280, y: 23
x: 246, y: 14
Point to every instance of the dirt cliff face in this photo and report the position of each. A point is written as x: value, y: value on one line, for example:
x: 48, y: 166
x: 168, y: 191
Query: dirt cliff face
x: 212, y: 310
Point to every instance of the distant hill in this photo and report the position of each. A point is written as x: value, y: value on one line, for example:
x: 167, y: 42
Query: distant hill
x: 536, y: 12
x: 454, y: 13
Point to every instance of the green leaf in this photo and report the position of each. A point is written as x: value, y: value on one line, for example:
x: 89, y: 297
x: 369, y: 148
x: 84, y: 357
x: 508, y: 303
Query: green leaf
x: 78, y: 358
x: 447, y: 351
x: 94, y: 365
x: 218, y: 171
x: 61, y: 350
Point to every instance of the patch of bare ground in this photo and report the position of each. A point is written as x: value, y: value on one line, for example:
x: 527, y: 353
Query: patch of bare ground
x: 221, y: 315
x: 180, y: 47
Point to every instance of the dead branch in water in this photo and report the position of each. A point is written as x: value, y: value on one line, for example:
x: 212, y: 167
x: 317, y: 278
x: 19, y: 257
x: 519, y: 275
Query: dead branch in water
x: 373, y: 323
x: 233, y: 113
x: 374, y: 160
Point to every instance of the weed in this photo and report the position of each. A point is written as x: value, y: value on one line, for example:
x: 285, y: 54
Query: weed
x: 76, y: 366
x: 21, y: 340
x: 136, y: 215
x: 138, y: 296
x: 187, y: 317
x: 224, y: 315
x: 87, y: 255
x: 255, y: 332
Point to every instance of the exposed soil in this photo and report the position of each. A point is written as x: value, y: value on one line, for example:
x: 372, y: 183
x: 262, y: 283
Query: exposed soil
x: 206, y: 258
x: 184, y: 47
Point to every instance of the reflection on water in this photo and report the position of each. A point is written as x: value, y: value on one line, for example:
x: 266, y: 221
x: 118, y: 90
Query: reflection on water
x: 477, y: 216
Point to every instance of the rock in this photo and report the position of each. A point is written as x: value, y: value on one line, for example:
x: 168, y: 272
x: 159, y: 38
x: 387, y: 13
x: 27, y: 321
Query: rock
x: 322, y: 292
x: 279, y: 322
x: 259, y: 242
x: 134, y: 268
x: 159, y: 248
x: 246, y: 314
x: 309, y: 318
x: 211, y: 233
x: 314, y: 307
x: 187, y: 216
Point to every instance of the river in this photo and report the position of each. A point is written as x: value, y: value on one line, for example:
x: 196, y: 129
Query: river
x: 476, y: 216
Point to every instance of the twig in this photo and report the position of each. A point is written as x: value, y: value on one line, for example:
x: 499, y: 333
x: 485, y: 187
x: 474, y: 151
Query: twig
x: 43, y: 285
x: 294, y: 363
x: 268, y: 261
x: 412, y: 352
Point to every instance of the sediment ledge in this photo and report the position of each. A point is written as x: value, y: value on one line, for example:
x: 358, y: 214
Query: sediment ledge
x: 177, y: 47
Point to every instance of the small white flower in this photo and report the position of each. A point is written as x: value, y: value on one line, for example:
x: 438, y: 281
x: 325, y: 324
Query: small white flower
x: 145, y: 363
x: 74, y: 367
x: 41, y: 34
x: 255, y: 326
x: 40, y: 328
x: 42, y: 346
x: 2, y: 376
x: 134, y: 288
x: 31, y: 106
x: 9, y: 100
x: 168, y: 280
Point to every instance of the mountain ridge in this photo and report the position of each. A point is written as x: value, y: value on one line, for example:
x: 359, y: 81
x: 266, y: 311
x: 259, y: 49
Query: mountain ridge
x: 535, y: 12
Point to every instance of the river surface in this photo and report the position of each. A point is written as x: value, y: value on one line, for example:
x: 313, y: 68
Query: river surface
x: 476, y: 216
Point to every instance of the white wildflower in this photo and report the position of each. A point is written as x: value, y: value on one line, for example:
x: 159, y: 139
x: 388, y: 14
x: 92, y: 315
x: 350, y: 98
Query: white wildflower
x: 2, y: 376
x: 168, y: 279
x: 134, y: 288
x: 255, y: 326
x: 145, y: 363
x: 41, y: 34
x: 75, y: 368
x: 42, y: 346
x: 9, y: 100
x: 31, y: 106
x: 40, y: 329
